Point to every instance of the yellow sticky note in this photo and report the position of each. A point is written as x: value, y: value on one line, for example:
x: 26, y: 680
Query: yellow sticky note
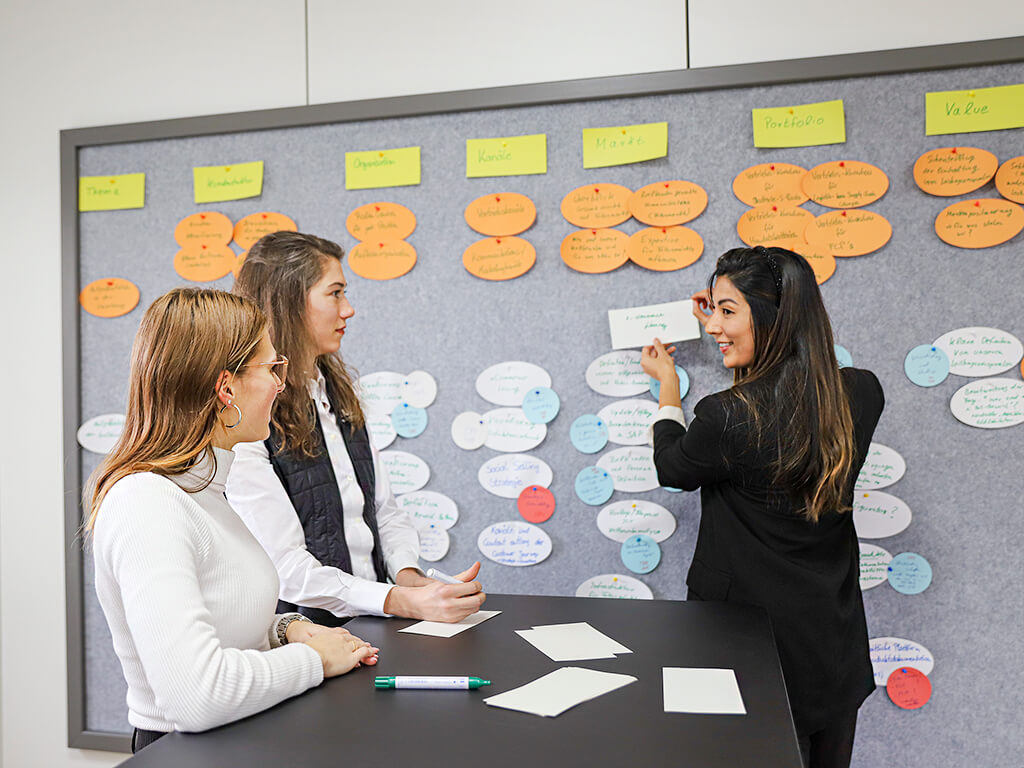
x: 804, y: 125
x: 111, y: 193
x: 508, y: 156
x: 216, y: 183
x: 624, y: 144
x: 382, y: 168
x: 983, y: 109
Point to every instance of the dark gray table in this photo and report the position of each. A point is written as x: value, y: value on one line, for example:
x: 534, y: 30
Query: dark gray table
x: 346, y: 722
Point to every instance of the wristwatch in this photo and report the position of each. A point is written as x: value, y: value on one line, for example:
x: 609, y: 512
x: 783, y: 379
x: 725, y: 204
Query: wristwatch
x: 284, y: 622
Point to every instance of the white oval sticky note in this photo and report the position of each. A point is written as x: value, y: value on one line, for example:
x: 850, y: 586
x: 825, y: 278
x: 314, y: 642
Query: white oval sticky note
x: 514, y: 542
x: 540, y: 405
x: 426, y: 508
x: 989, y: 403
x: 406, y: 472
x: 510, y: 431
x: 618, y: 374
x: 877, y: 514
x: 684, y: 385
x: 506, y: 476
x: 408, y: 420
x: 980, y: 351
x: 926, y: 365
x: 434, y: 543
x: 594, y: 486
x: 909, y: 573
x: 628, y: 420
x: 380, y: 391
x: 614, y: 585
x: 419, y: 389
x: 874, y: 565
x: 589, y: 434
x: 890, y: 653
x: 632, y: 469
x: 507, y: 383
x: 641, y: 554
x: 622, y: 519
x: 469, y: 430
x: 101, y: 433
x: 843, y: 356
x: 882, y: 467
x: 381, y: 428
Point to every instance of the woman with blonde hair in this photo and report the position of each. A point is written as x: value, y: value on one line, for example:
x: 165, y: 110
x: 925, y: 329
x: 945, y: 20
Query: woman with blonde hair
x: 188, y: 593
x: 776, y: 457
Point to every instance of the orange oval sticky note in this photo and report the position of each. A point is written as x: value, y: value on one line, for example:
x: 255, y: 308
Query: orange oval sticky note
x: 664, y: 249
x: 844, y: 184
x: 383, y: 222
x: 499, y: 258
x: 254, y: 226
x: 849, y: 233
x: 1010, y: 179
x: 908, y: 688
x: 204, y: 263
x: 501, y: 214
x: 109, y: 297
x: 204, y: 228
x: 779, y: 224
x: 536, y: 503
x: 381, y: 259
x: 667, y: 203
x: 595, y: 250
x: 979, y: 223
x: 597, y: 205
x: 770, y: 184
x: 954, y: 170
x: 818, y: 256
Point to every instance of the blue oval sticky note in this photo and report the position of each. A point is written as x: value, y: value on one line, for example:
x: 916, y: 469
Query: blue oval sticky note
x: 843, y: 356
x: 408, y: 420
x: 594, y: 486
x: 589, y: 433
x: 910, y: 573
x: 640, y: 553
x: 671, y: 490
x: 540, y: 405
x: 926, y: 365
x: 684, y: 384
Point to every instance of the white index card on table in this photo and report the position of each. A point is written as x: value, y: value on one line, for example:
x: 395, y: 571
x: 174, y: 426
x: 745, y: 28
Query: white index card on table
x: 702, y: 691
x: 557, y: 691
x: 638, y: 326
x: 442, y: 629
x: 572, y: 642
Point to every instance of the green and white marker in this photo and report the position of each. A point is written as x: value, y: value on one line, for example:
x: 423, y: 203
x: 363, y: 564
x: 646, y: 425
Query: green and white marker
x: 427, y: 682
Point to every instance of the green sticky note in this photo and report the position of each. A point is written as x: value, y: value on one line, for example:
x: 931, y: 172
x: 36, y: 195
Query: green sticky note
x: 216, y: 183
x: 111, y: 193
x: 983, y: 109
x: 624, y: 144
x: 382, y: 168
x: 508, y: 156
x: 806, y: 125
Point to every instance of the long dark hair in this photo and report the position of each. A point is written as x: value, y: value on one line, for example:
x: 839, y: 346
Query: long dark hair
x: 793, y: 388
x: 277, y: 274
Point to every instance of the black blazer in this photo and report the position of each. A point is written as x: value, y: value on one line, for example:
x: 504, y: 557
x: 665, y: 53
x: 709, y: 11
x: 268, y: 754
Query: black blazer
x: 753, y: 547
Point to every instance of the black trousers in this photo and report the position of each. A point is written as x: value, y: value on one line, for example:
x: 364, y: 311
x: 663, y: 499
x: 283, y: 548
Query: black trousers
x: 832, y: 746
x: 141, y: 738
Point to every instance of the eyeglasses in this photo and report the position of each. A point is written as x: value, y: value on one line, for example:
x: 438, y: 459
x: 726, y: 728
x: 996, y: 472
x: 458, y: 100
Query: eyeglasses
x: 278, y: 367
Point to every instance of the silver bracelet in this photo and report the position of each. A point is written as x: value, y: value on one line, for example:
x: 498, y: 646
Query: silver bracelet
x: 284, y: 622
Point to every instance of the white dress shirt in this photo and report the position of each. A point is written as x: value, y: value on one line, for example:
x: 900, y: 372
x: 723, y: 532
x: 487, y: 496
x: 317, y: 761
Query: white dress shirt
x: 256, y: 493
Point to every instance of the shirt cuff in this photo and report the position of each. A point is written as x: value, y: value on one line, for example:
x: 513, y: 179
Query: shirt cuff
x: 400, y: 559
x: 367, y: 597
x: 665, y: 413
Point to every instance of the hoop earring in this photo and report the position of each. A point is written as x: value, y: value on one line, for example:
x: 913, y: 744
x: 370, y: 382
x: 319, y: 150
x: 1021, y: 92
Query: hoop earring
x: 238, y: 421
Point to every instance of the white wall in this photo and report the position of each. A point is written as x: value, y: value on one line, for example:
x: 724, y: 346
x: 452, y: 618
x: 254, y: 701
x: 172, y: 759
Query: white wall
x: 72, y: 64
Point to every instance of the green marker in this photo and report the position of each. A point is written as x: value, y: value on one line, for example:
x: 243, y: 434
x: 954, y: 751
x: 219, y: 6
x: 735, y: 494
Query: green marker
x: 427, y: 682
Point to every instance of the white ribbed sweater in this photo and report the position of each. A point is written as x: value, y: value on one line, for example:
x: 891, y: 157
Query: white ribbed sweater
x: 190, y: 598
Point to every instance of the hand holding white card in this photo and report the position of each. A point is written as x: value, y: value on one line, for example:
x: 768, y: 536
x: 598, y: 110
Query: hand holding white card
x: 638, y: 326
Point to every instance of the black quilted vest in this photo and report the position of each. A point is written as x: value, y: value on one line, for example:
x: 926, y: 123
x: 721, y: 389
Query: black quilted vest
x: 313, y: 489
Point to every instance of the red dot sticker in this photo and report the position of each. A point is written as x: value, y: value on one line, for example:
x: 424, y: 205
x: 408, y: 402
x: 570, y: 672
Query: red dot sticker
x: 909, y: 688
x: 536, y: 503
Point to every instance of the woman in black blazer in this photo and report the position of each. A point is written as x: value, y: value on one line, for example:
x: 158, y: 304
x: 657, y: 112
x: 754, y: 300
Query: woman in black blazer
x: 776, y: 457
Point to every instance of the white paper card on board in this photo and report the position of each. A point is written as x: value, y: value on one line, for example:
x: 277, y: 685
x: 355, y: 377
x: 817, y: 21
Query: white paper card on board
x: 443, y: 629
x: 469, y: 430
x: 507, y: 475
x: 419, y: 389
x: 890, y: 653
x: 380, y: 391
x: 381, y: 429
x: 101, y: 433
x: 980, y: 351
x: 614, y: 585
x: 989, y: 403
x: 629, y: 421
x: 630, y: 517
x: 632, y: 469
x: 874, y: 565
x: 877, y: 514
x: 577, y: 641
x: 509, y: 430
x: 427, y: 508
x: 507, y: 383
x: 555, y: 692
x: 618, y: 374
x: 515, y: 543
x: 702, y: 691
x: 434, y: 543
x: 882, y: 467
x: 638, y: 326
x: 406, y: 472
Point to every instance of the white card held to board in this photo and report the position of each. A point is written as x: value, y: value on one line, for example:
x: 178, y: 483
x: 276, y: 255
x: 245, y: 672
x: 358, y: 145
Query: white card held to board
x: 638, y: 326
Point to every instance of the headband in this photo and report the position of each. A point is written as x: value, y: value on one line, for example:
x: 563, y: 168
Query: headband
x: 773, y: 265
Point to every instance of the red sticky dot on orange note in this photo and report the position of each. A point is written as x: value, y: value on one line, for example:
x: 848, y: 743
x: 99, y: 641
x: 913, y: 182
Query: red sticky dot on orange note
x: 909, y: 688
x: 536, y: 503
